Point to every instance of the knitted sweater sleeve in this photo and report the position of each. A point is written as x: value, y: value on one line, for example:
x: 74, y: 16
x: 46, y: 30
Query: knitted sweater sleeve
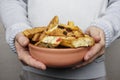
x: 14, y: 18
x: 110, y: 21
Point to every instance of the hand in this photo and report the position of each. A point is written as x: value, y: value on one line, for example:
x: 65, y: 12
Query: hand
x: 21, y: 43
x: 99, y: 47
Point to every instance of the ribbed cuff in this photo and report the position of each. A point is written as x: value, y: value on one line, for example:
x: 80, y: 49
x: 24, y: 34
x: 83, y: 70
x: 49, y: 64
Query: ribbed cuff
x: 107, y: 28
x: 12, y: 31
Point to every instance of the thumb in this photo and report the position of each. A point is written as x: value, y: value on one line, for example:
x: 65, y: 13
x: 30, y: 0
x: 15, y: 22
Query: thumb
x: 22, y: 40
x: 94, y: 33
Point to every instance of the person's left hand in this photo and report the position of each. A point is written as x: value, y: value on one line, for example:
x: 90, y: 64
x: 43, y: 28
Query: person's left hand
x: 98, y: 49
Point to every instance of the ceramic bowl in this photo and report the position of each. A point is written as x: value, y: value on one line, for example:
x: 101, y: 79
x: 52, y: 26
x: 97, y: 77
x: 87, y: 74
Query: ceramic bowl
x: 58, y: 58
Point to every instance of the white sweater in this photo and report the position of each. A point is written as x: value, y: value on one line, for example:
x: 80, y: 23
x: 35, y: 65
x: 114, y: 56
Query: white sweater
x: 102, y: 14
x: 82, y: 12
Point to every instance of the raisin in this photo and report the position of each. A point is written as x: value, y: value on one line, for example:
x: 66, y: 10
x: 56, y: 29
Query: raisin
x: 61, y: 27
x: 69, y: 29
x: 65, y: 33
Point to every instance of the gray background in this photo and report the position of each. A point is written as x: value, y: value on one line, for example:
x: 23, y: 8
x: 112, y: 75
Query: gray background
x: 10, y: 66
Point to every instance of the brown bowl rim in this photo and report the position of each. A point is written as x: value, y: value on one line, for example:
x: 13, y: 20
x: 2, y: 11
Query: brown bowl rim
x: 57, y: 48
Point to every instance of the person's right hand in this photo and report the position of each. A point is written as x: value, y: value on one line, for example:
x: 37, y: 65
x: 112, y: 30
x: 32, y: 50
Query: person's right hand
x: 21, y: 43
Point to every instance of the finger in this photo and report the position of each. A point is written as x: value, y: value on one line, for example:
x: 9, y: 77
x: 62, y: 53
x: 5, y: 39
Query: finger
x: 22, y: 40
x: 95, y: 56
x: 34, y: 63
x: 23, y: 55
x: 93, y: 51
x: 100, y: 52
x: 94, y: 32
x: 86, y: 62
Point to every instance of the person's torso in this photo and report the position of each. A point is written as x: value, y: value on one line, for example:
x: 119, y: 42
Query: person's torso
x: 82, y: 12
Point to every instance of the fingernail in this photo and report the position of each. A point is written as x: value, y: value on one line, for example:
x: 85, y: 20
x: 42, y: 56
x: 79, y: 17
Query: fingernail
x: 87, y: 57
x: 42, y: 67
